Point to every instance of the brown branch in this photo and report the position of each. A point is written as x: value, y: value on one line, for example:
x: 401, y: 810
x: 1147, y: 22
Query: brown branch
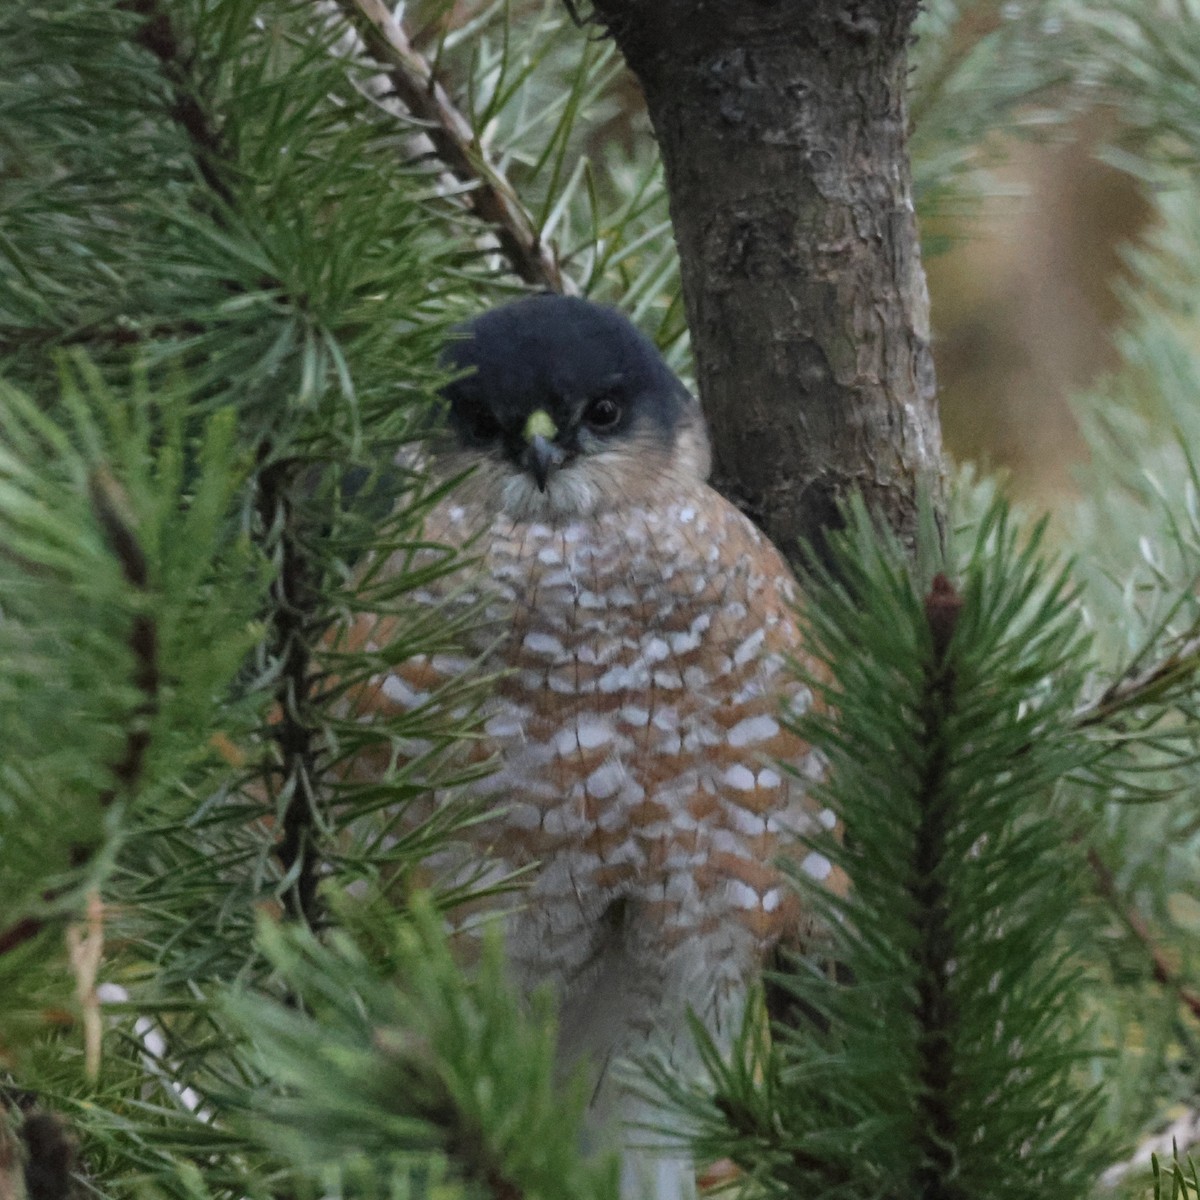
x: 157, y: 35
x: 491, y: 196
x: 1162, y: 969
x: 118, y: 332
x: 1134, y: 689
x: 108, y: 503
x: 110, y: 510
x: 293, y: 629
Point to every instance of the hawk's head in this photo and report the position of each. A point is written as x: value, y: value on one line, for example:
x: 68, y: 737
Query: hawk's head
x: 565, y: 409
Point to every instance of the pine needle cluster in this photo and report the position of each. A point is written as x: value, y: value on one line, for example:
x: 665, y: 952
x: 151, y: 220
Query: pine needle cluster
x: 938, y: 1055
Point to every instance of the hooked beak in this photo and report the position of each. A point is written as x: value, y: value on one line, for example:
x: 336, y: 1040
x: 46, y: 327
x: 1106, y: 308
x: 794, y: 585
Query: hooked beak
x: 542, y: 457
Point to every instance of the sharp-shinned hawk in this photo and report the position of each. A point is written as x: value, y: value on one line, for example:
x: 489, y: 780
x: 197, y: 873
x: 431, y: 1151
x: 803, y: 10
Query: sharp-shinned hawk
x: 642, y: 628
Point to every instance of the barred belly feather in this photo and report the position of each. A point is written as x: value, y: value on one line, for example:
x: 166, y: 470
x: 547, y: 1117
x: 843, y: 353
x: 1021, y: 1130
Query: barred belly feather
x: 638, y: 727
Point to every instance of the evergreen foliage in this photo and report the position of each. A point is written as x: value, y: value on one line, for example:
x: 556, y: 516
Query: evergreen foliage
x: 946, y: 1041
x: 403, y: 1071
x: 228, y: 261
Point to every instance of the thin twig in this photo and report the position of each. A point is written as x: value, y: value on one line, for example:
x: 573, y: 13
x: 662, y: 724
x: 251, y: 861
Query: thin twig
x: 1133, y: 689
x: 1164, y: 973
x: 490, y: 195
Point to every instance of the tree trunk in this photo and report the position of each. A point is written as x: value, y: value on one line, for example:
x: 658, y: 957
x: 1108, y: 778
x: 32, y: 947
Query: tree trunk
x: 782, y: 125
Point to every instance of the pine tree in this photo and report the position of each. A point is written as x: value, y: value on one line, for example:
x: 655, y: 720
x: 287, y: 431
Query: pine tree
x: 234, y: 236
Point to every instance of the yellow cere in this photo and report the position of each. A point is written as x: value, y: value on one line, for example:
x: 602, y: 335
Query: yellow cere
x: 540, y: 425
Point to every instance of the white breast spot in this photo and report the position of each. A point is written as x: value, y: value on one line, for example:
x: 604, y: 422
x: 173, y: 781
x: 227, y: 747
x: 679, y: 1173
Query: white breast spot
x: 631, y: 714
x: 749, y: 648
x: 666, y: 718
x: 655, y: 650
x: 543, y: 643
x: 632, y: 792
x: 753, y: 730
x: 668, y: 680
x: 772, y: 899
x: 695, y: 678
x: 612, y: 816
x: 511, y: 569
x: 396, y: 690
x: 615, y: 679
x: 563, y: 820
x: 817, y: 865
x: 745, y: 822
x: 619, y: 678
x: 523, y: 816
x: 627, y: 852
x: 813, y: 765
x: 450, y: 664
x: 725, y: 841
x: 768, y: 778
x: 593, y: 732
x: 680, y: 887
x: 687, y: 515
x: 565, y: 742
x: 606, y: 780
x: 752, y: 691
x: 505, y: 725
x: 828, y: 818
x: 684, y: 643
x: 742, y: 896
x: 550, y: 555
x: 739, y: 777
x: 591, y: 600
x: 699, y: 736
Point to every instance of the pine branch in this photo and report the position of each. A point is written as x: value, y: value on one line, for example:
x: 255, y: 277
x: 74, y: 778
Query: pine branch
x: 295, y: 595
x: 947, y: 1048
x: 125, y: 333
x: 1140, y: 687
x: 159, y: 37
x: 122, y: 540
x: 397, y: 1054
x: 1163, y: 972
x: 935, y: 951
x: 491, y: 196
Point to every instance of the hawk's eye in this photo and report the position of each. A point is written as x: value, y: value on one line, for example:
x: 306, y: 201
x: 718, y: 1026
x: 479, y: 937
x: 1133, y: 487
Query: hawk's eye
x: 479, y: 422
x: 602, y: 413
